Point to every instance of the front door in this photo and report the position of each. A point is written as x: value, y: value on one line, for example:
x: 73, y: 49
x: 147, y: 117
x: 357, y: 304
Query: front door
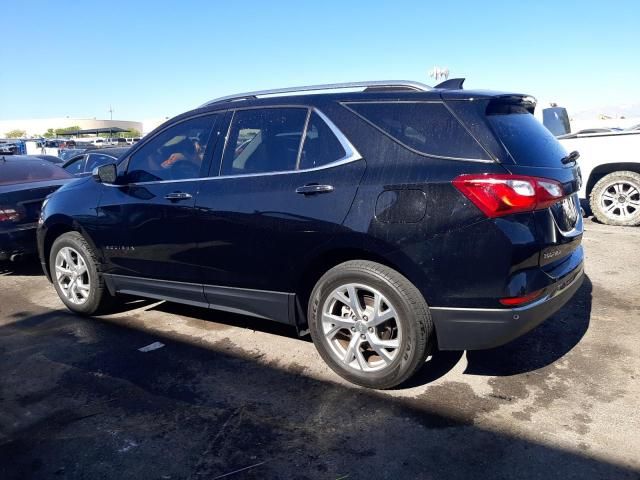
x: 148, y: 226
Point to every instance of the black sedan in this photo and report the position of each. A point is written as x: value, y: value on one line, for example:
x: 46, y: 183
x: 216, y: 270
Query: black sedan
x: 24, y: 183
x: 83, y: 164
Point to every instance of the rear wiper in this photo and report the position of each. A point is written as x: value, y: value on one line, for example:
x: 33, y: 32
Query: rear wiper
x: 572, y: 157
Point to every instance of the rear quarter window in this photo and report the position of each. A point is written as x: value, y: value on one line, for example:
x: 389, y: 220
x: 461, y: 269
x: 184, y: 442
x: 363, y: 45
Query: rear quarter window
x: 428, y: 128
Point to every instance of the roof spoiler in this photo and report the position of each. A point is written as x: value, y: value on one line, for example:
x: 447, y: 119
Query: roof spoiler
x: 451, y: 84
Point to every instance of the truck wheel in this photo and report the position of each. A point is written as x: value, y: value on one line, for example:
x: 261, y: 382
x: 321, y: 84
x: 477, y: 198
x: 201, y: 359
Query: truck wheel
x: 370, y: 324
x: 615, y: 199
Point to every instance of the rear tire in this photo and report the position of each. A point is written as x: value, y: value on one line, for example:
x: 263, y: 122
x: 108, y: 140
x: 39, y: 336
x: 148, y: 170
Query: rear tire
x: 615, y: 199
x: 381, y: 338
x: 75, y: 276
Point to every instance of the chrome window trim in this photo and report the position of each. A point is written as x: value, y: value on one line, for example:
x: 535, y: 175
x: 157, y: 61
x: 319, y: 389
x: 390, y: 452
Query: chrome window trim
x: 351, y: 155
x: 418, y: 152
x: 303, y: 138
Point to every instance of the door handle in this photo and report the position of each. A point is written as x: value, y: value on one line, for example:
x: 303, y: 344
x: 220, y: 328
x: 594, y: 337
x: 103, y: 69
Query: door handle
x: 313, y: 189
x: 177, y: 196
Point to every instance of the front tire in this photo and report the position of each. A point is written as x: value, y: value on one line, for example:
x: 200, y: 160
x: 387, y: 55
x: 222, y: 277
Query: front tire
x: 75, y: 275
x: 615, y: 199
x: 370, y: 324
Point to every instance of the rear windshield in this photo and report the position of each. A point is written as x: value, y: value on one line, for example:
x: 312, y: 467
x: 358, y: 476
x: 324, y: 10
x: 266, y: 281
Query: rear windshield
x: 527, y: 140
x: 426, y: 127
x: 24, y: 171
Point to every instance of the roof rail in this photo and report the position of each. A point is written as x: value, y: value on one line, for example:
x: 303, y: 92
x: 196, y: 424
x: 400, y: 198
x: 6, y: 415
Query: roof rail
x: 405, y: 84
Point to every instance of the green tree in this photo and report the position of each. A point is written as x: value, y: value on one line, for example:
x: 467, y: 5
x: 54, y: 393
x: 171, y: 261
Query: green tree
x: 50, y: 133
x: 16, y: 134
x: 133, y: 133
x: 62, y: 131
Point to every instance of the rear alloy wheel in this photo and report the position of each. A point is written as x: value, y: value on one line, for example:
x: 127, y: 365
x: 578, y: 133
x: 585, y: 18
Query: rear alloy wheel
x: 615, y: 199
x: 370, y: 324
x: 361, y: 326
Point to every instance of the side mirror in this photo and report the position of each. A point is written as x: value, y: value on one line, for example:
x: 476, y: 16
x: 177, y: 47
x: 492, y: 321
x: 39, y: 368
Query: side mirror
x: 105, y: 173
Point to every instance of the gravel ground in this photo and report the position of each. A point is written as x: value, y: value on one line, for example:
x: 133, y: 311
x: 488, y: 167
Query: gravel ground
x: 233, y: 397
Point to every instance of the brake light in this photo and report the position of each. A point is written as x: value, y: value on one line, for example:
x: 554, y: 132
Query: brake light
x: 498, y: 195
x: 9, y: 214
x: 517, y: 301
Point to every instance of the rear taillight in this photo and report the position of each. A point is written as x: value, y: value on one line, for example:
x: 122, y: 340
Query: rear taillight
x: 518, y: 301
x: 498, y: 195
x: 8, y: 214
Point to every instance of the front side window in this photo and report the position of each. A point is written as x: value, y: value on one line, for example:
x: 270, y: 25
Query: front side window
x: 263, y: 140
x: 428, y: 128
x: 176, y: 153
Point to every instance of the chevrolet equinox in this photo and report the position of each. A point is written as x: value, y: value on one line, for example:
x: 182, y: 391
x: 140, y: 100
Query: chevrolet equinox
x: 387, y: 219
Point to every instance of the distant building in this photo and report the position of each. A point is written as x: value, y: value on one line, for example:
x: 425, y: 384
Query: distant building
x: 39, y: 126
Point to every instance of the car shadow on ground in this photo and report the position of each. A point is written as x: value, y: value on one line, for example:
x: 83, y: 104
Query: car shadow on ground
x: 79, y: 400
x: 540, y: 347
x: 544, y: 345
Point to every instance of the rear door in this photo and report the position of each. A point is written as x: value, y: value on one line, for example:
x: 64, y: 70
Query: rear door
x: 286, y: 181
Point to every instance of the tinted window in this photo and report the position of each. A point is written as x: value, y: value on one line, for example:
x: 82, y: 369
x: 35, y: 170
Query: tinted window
x: 75, y: 165
x: 321, y: 146
x: 426, y: 127
x: 96, y: 159
x: 174, y: 154
x: 264, y: 140
x: 23, y: 170
x: 527, y: 140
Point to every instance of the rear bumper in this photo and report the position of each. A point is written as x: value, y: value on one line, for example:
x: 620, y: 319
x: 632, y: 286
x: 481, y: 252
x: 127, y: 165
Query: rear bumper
x: 480, y: 328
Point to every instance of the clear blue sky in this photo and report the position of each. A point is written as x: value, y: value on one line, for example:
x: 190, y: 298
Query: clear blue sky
x: 152, y: 58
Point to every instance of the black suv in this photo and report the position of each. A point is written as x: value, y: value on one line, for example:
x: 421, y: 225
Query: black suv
x: 387, y: 221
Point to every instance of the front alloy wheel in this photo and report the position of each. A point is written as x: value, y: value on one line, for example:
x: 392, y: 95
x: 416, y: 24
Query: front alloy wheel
x: 72, y: 275
x: 74, y: 272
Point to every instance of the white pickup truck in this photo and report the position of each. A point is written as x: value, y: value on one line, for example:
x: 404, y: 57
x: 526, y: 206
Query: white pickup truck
x: 610, y: 167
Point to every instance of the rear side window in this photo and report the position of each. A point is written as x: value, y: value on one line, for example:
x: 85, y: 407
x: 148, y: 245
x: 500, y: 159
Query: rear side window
x: 23, y: 171
x: 527, y: 140
x: 428, y: 128
x: 264, y: 140
x: 321, y: 146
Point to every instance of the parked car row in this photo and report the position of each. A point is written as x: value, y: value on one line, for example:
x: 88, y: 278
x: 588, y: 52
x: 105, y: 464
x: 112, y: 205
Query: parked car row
x: 24, y: 184
x: 609, y: 160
